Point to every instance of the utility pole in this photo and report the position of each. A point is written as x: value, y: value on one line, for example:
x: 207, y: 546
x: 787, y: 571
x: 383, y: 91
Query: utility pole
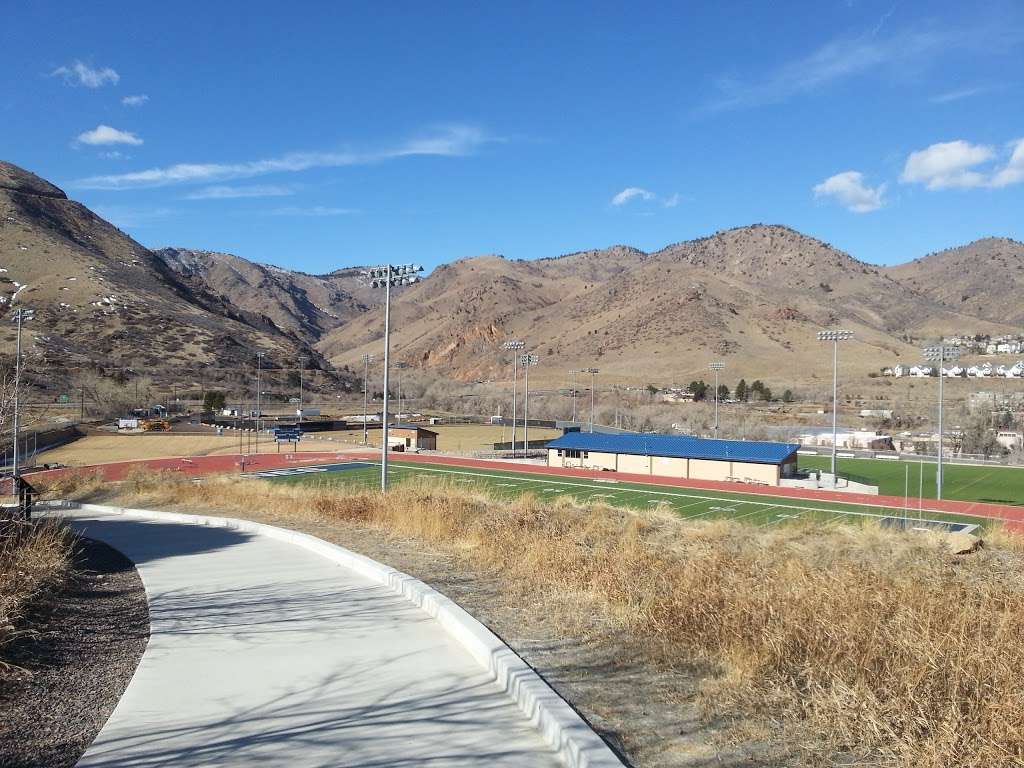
x: 835, y: 337
x: 514, y: 347
x: 593, y: 372
x: 384, y: 277
x: 366, y: 370
x: 21, y: 314
x: 716, y: 367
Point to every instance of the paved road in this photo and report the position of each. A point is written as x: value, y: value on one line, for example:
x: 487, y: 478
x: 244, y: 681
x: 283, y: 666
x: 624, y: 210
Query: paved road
x: 263, y: 653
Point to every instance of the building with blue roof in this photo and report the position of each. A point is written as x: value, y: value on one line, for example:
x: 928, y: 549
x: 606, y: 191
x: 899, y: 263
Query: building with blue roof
x: 679, y: 456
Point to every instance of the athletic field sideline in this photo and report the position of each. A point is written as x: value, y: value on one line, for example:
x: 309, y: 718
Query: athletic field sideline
x: 687, y: 503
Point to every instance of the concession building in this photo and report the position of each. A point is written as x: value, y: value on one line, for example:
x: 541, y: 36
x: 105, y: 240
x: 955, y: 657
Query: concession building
x: 675, y: 456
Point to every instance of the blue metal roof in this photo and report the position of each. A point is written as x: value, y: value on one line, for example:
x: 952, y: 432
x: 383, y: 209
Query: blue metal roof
x: 676, y: 446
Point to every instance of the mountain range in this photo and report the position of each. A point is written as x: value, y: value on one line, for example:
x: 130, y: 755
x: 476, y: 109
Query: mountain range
x: 752, y: 297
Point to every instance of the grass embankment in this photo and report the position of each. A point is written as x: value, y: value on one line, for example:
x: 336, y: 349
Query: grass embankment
x: 35, y: 559
x: 855, y: 643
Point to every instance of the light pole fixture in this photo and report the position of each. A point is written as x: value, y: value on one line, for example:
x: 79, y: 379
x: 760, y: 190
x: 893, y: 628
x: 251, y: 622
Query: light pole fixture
x: 716, y: 367
x: 940, y: 355
x: 400, y: 367
x: 515, y: 347
x: 593, y: 372
x: 367, y: 359
x: 21, y: 314
x: 385, y: 277
x: 835, y: 337
x: 527, y: 361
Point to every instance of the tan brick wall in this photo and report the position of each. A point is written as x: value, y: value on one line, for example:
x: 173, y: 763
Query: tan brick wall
x: 598, y: 460
x: 636, y: 465
x: 707, y: 469
x: 554, y: 460
x: 666, y: 466
x: 765, y: 473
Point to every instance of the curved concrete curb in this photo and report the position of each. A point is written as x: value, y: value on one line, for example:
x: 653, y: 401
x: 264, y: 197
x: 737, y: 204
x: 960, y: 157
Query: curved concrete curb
x: 578, y: 746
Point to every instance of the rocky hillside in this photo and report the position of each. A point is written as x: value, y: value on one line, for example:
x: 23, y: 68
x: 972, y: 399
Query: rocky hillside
x: 102, y: 298
x: 984, y: 279
x: 306, y: 305
x: 753, y: 297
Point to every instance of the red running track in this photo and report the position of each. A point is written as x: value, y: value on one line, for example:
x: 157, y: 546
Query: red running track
x: 197, y: 466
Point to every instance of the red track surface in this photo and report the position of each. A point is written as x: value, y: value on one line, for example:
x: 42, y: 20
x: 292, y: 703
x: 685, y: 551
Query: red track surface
x: 207, y: 465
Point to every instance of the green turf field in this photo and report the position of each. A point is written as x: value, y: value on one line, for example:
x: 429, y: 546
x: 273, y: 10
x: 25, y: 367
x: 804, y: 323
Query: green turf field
x: 993, y: 484
x: 686, y: 502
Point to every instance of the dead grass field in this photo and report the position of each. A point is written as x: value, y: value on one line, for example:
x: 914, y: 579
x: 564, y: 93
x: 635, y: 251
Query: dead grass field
x: 854, y: 645
x: 34, y: 559
x: 94, y: 449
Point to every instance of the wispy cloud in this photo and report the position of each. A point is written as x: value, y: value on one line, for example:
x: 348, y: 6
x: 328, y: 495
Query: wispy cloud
x: 135, y: 101
x: 962, y: 165
x: 639, y: 193
x: 629, y: 193
x: 316, y: 210
x: 227, y: 192
x: 960, y: 93
x: 79, y: 73
x: 133, y: 216
x: 450, y: 141
x: 847, y: 57
x: 850, y: 191
x: 103, y: 135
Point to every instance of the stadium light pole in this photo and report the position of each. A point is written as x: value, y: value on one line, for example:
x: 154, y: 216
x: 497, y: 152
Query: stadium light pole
x: 716, y: 367
x: 302, y: 364
x: 400, y: 367
x: 21, y: 314
x: 385, y: 277
x: 940, y: 355
x: 527, y: 361
x: 259, y: 394
x: 573, y: 372
x: 367, y: 359
x: 593, y: 372
x: 515, y: 347
x: 835, y: 337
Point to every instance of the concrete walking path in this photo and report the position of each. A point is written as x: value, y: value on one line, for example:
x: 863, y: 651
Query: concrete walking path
x: 266, y: 653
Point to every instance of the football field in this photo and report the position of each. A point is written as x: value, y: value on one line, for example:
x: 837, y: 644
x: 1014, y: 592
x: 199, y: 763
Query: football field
x: 687, y: 503
x: 993, y: 484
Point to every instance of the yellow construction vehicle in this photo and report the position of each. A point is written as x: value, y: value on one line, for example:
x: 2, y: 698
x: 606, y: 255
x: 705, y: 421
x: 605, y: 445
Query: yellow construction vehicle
x: 155, y: 425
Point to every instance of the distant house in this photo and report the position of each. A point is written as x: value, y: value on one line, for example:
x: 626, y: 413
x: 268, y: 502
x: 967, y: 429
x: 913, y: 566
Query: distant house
x: 1011, y: 441
x: 900, y: 371
x: 920, y: 371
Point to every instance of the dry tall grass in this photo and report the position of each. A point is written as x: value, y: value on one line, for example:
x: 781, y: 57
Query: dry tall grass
x: 864, y: 645
x: 34, y: 559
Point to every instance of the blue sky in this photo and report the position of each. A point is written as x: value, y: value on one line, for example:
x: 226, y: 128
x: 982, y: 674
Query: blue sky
x: 315, y: 136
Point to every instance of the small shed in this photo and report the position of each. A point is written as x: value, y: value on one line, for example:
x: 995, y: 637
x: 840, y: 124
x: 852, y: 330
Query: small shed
x: 411, y: 437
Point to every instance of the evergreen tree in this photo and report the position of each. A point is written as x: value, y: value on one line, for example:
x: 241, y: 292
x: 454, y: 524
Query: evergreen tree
x: 741, y: 391
x: 699, y: 389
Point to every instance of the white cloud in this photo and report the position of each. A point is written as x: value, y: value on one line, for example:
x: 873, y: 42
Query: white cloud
x: 631, y: 192
x: 672, y: 201
x: 948, y: 164
x: 316, y: 210
x: 135, y: 101
x: 1013, y: 171
x: 80, y: 73
x: 134, y: 216
x: 850, y: 191
x: 226, y: 192
x: 104, y: 134
x: 450, y: 141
